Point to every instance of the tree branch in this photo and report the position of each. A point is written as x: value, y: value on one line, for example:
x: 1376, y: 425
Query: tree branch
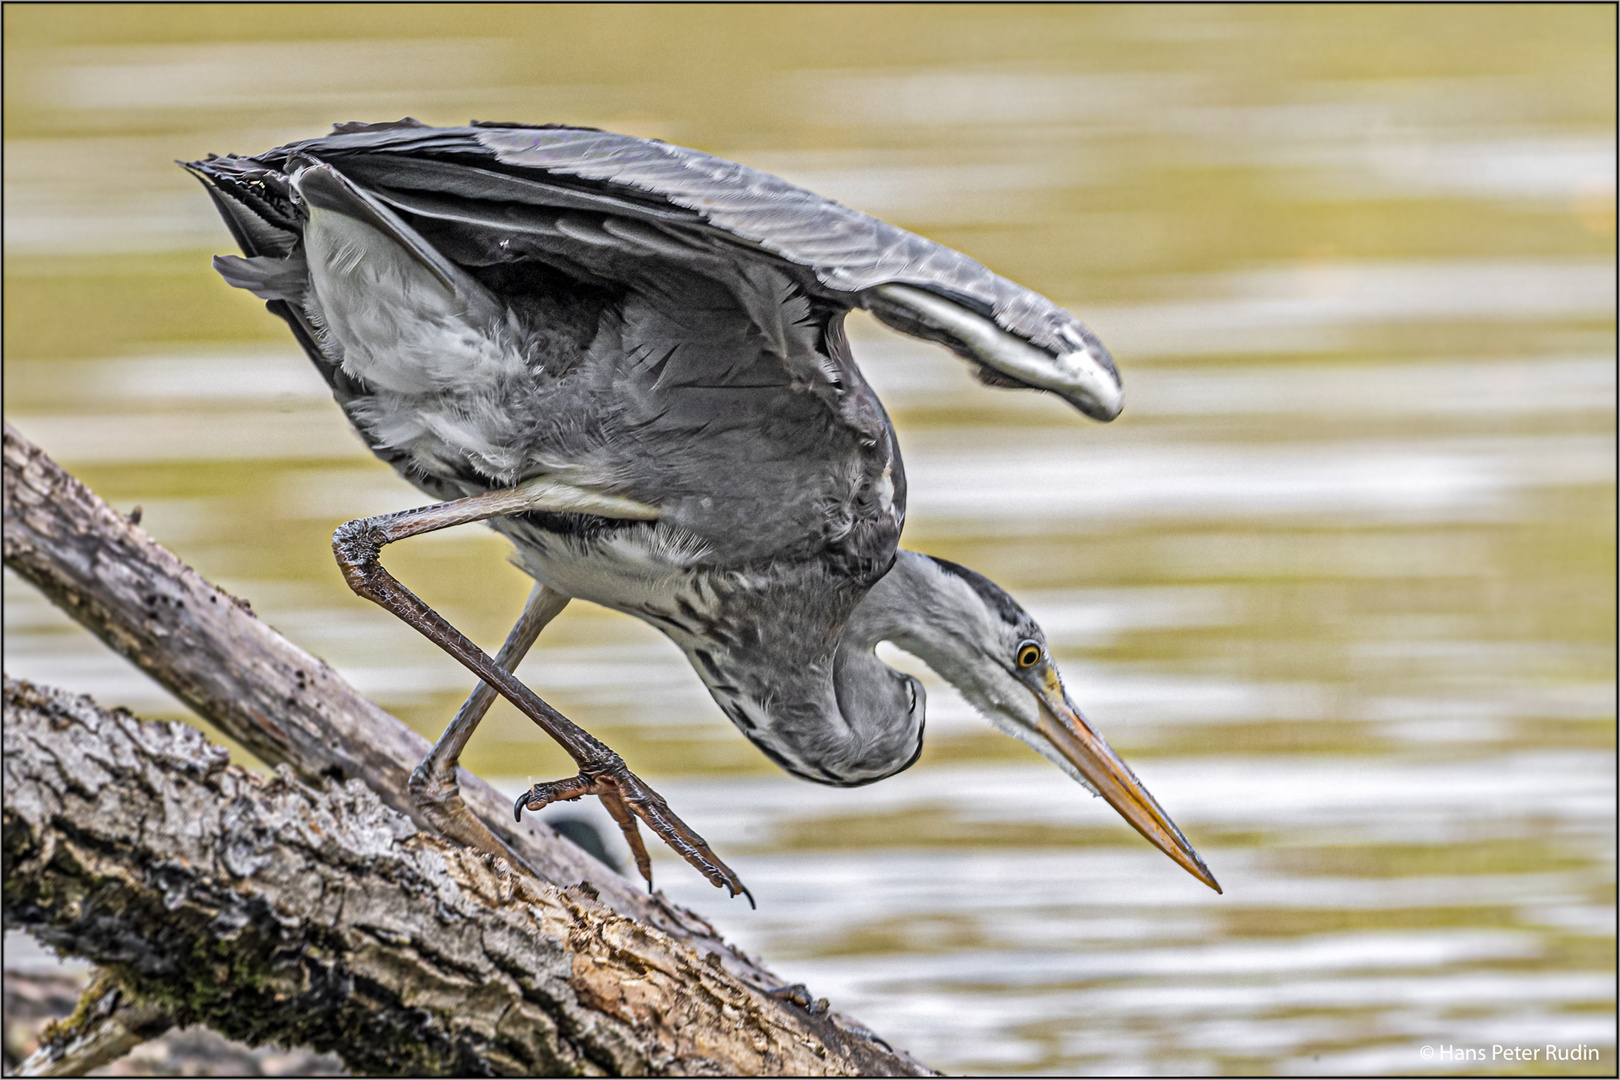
x: 272, y: 911
x: 209, y: 649
x: 290, y: 709
x: 106, y: 1025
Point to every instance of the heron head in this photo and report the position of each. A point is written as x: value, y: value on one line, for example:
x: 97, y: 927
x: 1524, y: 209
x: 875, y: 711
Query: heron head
x: 985, y: 644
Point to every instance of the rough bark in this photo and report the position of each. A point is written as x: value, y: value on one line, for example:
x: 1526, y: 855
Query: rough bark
x: 290, y: 709
x: 272, y: 911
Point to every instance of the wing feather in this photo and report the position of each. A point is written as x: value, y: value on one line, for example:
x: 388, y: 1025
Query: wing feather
x: 846, y: 252
x: 665, y: 353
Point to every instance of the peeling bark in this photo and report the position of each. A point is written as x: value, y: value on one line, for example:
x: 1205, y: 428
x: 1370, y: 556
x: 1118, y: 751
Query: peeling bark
x: 645, y: 977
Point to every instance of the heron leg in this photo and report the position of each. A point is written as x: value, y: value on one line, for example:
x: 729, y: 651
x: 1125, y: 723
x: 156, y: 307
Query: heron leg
x: 433, y: 783
x: 358, y: 544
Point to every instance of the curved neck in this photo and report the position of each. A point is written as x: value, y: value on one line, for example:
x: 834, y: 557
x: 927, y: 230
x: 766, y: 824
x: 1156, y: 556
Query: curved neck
x: 804, y: 683
x: 832, y: 711
x: 936, y: 617
x: 928, y: 612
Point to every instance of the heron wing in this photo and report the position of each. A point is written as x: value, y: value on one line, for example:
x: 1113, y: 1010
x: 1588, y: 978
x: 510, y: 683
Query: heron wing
x: 837, y: 252
x: 713, y: 384
x: 485, y: 219
x: 662, y: 364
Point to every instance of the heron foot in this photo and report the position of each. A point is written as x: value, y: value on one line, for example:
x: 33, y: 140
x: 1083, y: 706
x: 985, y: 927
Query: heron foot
x: 627, y: 798
x: 439, y: 799
x: 799, y: 994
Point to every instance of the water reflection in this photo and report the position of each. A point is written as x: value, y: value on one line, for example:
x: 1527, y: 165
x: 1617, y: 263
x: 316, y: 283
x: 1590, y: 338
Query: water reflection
x: 1340, y: 581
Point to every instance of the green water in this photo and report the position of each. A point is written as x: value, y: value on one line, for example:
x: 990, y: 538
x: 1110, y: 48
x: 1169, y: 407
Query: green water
x: 1340, y: 583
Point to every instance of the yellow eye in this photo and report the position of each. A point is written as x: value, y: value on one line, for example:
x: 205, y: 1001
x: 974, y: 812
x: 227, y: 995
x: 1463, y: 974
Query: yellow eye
x: 1029, y: 654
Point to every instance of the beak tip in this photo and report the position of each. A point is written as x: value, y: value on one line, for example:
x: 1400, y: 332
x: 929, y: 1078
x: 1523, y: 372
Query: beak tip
x: 1100, y: 769
x: 1203, y: 874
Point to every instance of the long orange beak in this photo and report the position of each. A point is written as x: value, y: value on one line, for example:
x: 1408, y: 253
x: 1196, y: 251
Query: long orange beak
x: 1067, y: 730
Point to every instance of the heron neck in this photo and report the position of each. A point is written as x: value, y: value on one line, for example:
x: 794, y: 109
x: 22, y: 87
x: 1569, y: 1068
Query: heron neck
x: 812, y: 696
x: 910, y: 607
x: 920, y: 608
x: 829, y: 709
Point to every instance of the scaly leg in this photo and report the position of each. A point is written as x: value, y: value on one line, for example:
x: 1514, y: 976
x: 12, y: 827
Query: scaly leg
x: 433, y: 783
x: 357, y: 545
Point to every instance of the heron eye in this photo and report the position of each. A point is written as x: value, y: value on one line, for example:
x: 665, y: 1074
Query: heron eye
x: 1029, y: 654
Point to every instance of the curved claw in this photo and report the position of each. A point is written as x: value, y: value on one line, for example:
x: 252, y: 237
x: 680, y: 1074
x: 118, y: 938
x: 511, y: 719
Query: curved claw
x: 627, y: 798
x: 543, y: 795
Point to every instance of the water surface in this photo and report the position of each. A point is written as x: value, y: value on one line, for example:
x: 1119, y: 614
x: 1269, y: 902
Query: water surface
x: 1339, y: 583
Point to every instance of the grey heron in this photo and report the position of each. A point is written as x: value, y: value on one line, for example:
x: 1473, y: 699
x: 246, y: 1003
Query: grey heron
x: 628, y: 357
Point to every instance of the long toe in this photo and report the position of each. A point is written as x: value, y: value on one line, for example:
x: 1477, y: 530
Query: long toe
x: 613, y: 800
x: 799, y: 994
x: 651, y: 808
